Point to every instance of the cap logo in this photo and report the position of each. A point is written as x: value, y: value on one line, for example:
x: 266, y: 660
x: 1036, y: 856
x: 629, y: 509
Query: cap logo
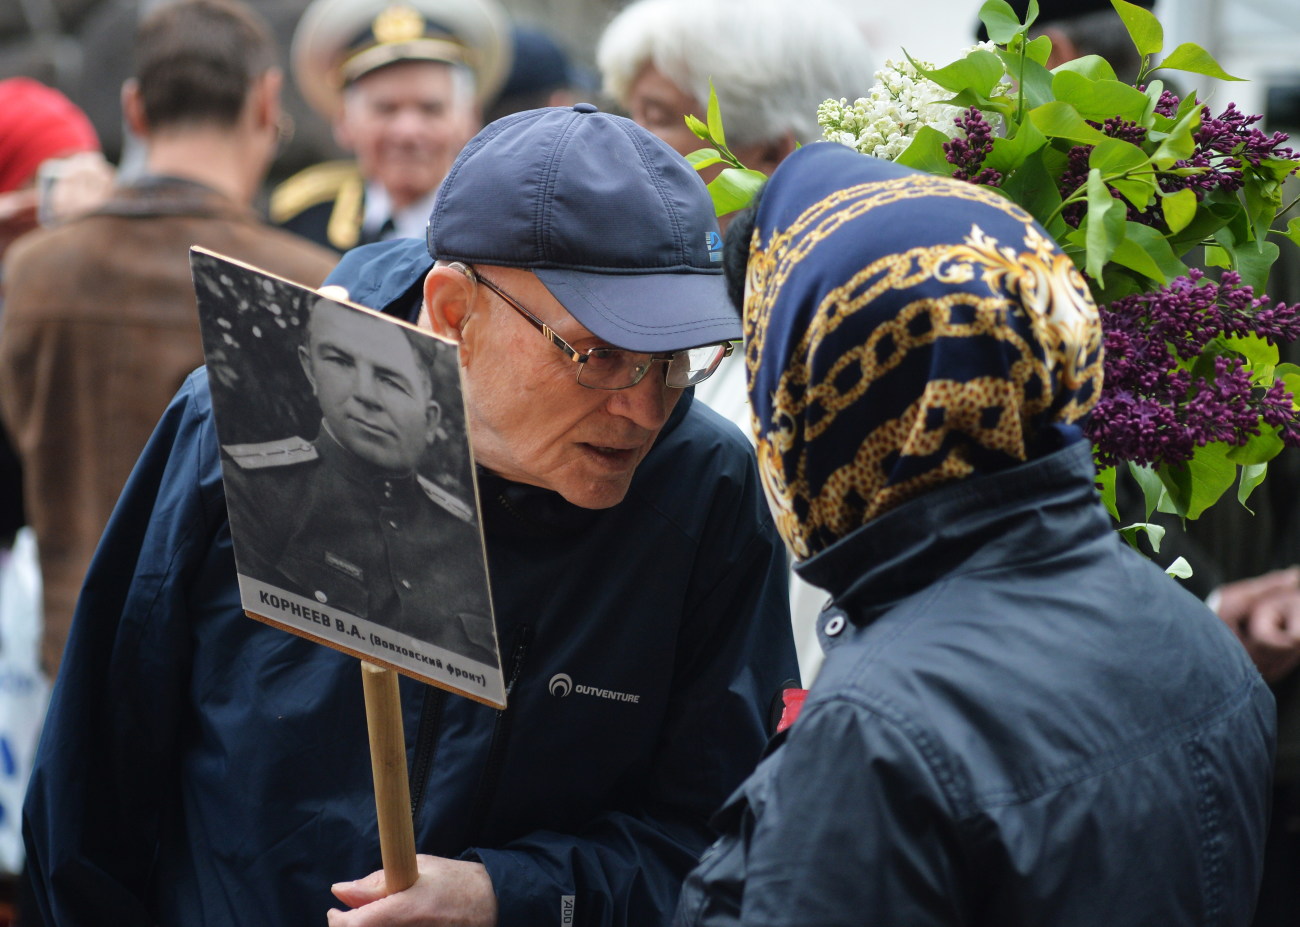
x: 397, y: 24
x: 713, y: 242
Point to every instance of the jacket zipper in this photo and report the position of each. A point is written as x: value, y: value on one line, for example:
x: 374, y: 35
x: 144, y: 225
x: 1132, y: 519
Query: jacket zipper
x: 426, y: 745
x: 500, y: 734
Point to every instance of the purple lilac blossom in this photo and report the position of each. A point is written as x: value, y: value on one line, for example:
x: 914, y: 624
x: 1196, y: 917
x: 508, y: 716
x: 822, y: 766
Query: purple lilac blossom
x: 1152, y: 410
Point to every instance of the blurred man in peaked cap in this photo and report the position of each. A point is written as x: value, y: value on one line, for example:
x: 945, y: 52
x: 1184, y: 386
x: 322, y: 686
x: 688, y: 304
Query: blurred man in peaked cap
x: 403, y: 84
x: 1082, y: 27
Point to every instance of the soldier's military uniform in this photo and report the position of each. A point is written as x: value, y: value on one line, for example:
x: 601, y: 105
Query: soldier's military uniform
x: 317, y: 520
x: 339, y: 41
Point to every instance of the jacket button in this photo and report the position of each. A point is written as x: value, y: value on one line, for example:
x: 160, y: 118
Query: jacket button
x: 406, y: 584
x: 834, y: 626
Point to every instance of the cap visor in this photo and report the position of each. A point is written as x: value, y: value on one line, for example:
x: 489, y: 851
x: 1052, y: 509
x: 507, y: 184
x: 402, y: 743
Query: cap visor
x: 653, y: 313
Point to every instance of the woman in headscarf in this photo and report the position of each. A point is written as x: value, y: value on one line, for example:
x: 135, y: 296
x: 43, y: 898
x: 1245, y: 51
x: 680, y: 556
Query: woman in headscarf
x: 1020, y: 721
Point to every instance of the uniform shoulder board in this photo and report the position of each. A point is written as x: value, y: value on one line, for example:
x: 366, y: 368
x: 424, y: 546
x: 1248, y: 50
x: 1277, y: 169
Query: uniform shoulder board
x: 445, y: 499
x: 271, y: 453
x: 319, y: 183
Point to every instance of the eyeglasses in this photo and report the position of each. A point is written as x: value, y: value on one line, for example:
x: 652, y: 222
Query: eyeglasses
x: 616, y: 368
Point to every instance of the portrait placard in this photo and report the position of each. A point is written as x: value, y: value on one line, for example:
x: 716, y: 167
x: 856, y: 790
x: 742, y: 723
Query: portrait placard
x: 349, y: 478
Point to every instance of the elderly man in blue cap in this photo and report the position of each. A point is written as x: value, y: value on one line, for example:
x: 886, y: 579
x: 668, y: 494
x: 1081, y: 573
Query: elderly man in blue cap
x: 638, y: 586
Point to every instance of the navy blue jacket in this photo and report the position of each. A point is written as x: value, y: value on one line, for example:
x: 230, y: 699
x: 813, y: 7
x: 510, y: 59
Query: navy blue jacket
x: 1024, y: 724
x: 198, y: 767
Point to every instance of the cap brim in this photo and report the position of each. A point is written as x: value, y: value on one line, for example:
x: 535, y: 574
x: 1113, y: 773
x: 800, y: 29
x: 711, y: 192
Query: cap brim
x: 655, y: 312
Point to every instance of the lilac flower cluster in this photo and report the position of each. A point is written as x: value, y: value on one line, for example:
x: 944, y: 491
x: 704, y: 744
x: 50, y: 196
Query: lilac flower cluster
x: 1152, y: 410
x: 1075, y: 174
x: 1224, y: 144
x: 968, y: 153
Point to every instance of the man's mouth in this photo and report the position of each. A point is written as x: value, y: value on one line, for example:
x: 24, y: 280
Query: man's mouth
x: 372, y: 429
x: 619, y: 456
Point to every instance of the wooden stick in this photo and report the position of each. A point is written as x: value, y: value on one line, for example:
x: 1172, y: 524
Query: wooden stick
x: 392, y: 788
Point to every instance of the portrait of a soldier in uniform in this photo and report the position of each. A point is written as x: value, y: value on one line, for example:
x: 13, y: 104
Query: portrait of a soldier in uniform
x: 352, y: 505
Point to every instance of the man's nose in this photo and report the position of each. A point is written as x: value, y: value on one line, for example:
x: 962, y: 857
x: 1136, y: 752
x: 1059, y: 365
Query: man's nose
x: 366, y: 389
x: 648, y: 403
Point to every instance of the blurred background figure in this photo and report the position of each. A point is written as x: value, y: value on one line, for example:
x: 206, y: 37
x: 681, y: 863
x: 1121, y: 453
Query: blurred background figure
x: 1083, y: 27
x: 99, y: 325
x: 542, y: 73
x: 39, y: 128
x: 771, y: 64
x: 403, y: 85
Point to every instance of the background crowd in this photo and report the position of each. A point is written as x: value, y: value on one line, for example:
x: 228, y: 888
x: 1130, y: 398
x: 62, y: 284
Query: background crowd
x: 338, y: 133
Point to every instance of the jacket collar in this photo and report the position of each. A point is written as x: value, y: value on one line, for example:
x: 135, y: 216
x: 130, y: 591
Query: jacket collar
x: 1032, y: 511
x: 157, y: 195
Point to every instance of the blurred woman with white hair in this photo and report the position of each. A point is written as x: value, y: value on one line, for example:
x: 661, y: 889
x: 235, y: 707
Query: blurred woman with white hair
x: 772, y: 63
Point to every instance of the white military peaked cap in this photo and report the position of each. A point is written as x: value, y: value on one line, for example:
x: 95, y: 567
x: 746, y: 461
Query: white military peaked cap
x: 338, y: 41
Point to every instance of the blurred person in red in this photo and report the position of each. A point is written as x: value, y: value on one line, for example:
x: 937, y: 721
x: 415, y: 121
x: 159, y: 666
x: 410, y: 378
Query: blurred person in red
x: 38, y: 124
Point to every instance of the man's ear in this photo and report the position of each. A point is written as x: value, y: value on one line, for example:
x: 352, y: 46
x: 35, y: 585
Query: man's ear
x: 133, y: 108
x: 304, y: 360
x: 448, y: 301
x: 266, y: 99
x: 433, y: 415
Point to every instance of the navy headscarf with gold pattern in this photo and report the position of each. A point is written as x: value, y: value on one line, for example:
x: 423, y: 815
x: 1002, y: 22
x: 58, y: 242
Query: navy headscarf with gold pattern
x: 903, y: 331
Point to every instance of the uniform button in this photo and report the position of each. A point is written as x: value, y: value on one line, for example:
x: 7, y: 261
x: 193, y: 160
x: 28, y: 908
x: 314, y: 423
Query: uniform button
x: 321, y: 597
x: 393, y: 525
x: 406, y: 584
x: 835, y: 625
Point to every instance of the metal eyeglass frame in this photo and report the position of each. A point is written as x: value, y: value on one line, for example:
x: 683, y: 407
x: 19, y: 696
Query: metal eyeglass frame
x: 582, y: 357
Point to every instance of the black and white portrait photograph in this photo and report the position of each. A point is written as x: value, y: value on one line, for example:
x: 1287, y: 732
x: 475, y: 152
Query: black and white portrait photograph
x: 348, y: 477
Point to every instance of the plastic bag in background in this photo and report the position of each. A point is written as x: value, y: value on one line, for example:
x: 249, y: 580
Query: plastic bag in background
x: 24, y: 690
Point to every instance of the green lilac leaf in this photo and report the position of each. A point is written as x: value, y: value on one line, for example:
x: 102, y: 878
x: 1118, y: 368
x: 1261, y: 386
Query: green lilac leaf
x: 925, y: 152
x: 1197, y: 484
x: 700, y: 129
x: 1105, y: 226
x: 1093, y: 67
x: 1153, y: 489
x: 1106, y: 478
x: 1143, y: 28
x: 715, y: 118
x: 1261, y: 448
x: 979, y: 72
x: 1191, y: 57
x: 1155, y: 534
x: 734, y: 189
x: 1061, y: 120
x: 1179, y: 209
x: 704, y: 157
x: 1000, y: 20
x: 1099, y: 99
x: 1251, y: 476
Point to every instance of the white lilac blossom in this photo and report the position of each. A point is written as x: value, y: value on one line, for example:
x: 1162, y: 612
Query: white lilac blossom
x: 884, y: 122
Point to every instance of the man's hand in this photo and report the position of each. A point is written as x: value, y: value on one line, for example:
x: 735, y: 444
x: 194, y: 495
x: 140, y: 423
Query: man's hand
x: 446, y: 893
x: 1264, y: 612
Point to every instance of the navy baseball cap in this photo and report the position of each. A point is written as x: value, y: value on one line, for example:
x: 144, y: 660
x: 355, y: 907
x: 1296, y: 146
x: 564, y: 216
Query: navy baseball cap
x: 616, y: 225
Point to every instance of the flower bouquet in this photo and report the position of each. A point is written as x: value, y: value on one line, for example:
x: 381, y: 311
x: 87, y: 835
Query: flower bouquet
x: 1167, y: 209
